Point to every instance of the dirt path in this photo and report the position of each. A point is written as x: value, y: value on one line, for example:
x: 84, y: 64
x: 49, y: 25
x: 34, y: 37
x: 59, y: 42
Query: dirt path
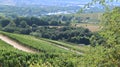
x: 16, y: 45
x: 27, y: 49
x: 69, y: 49
x: 63, y: 47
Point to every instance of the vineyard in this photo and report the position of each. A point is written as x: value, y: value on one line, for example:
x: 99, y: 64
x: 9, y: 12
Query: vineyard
x: 49, y: 55
x: 43, y: 45
x: 76, y: 47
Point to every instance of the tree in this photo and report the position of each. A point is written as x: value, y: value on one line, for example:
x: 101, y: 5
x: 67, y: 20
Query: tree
x: 5, y: 22
x: 11, y: 27
x: 107, y: 55
x: 34, y: 27
x: 26, y: 30
x: 111, y: 27
x: 54, y: 23
x: 23, y: 24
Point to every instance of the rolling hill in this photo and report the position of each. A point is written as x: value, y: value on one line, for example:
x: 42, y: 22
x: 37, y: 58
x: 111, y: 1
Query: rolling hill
x: 44, y: 45
x: 50, y: 53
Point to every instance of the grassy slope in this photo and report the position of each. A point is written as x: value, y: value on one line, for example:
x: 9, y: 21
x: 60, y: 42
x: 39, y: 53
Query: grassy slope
x: 45, y: 45
x: 11, y: 57
x: 35, y: 43
x: 4, y: 47
x: 70, y: 46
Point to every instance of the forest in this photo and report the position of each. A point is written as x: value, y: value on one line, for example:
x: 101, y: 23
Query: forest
x: 57, y: 29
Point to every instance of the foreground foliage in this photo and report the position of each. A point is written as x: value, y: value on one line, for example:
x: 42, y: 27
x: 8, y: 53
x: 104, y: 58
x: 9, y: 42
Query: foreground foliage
x: 107, y: 55
x: 11, y: 57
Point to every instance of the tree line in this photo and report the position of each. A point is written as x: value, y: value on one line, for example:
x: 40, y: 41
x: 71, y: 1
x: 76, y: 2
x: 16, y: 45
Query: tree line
x: 56, y: 27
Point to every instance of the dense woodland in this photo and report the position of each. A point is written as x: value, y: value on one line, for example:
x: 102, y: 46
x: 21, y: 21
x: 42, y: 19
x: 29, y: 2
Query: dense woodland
x: 56, y: 27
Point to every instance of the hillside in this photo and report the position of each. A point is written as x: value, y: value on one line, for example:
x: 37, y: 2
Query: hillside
x: 42, y: 44
x: 36, y: 10
x: 16, y: 45
x: 57, y: 33
x: 48, y: 51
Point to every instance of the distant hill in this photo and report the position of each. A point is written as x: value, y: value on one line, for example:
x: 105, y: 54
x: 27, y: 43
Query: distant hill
x: 46, y: 7
x: 47, y: 2
x: 42, y: 2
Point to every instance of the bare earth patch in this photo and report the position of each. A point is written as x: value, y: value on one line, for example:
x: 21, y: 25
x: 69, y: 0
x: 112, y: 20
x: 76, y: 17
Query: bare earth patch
x: 91, y: 27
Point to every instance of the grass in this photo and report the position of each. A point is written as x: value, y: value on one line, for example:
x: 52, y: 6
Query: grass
x: 51, y: 54
x: 46, y: 45
x: 30, y: 41
x: 4, y: 48
x: 10, y: 56
x: 83, y: 49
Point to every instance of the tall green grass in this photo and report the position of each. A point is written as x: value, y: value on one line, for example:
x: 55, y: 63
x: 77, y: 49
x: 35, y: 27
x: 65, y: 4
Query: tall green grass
x: 5, y: 46
x: 32, y: 42
x: 76, y: 47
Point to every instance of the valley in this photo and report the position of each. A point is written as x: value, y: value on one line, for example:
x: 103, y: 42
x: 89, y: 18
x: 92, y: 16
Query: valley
x: 57, y: 33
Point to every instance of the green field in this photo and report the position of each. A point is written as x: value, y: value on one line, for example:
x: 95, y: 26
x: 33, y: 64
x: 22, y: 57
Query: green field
x: 45, y: 45
x: 11, y: 57
x: 49, y: 56
x: 76, y: 47
x: 6, y: 47
x: 32, y: 42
